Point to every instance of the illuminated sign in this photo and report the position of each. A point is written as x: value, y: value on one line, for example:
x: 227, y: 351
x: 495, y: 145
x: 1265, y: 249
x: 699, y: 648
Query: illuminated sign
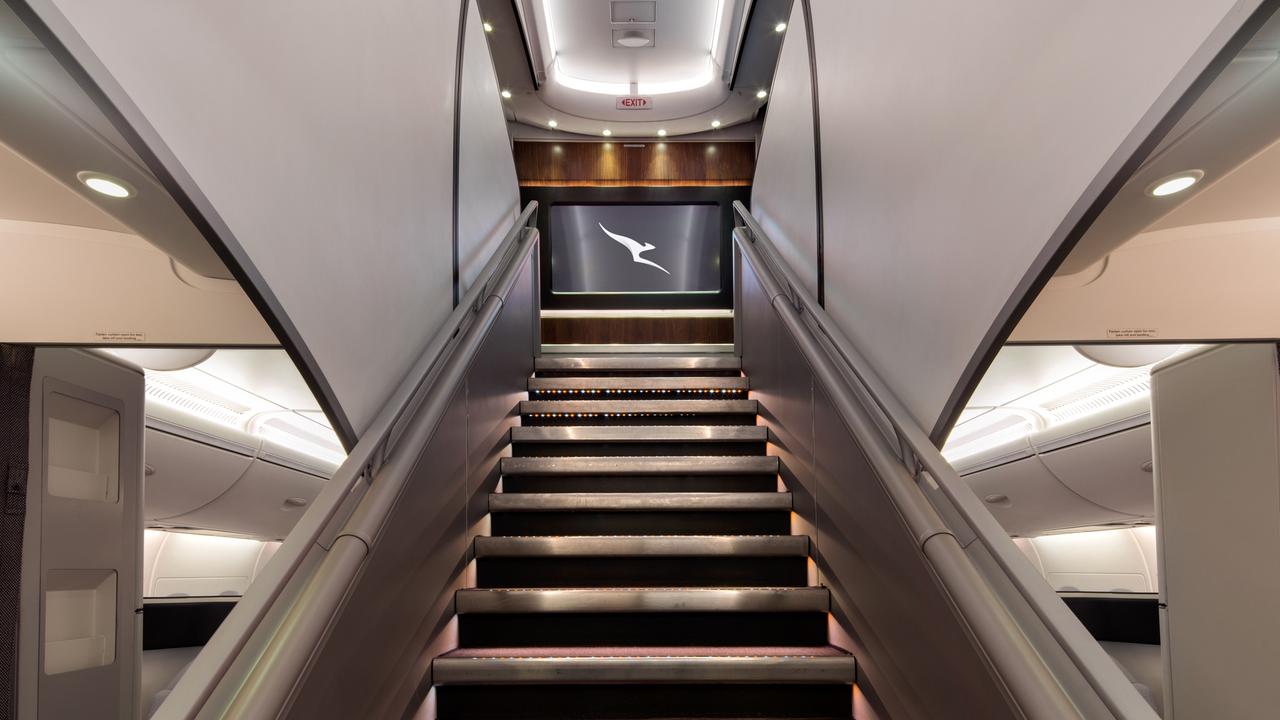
x: 635, y: 102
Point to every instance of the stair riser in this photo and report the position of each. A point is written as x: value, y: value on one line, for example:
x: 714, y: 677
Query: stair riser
x: 635, y: 373
x: 646, y: 449
x: 643, y: 571
x: 539, y: 420
x: 638, y: 483
x: 619, y: 702
x: 642, y: 629
x: 639, y: 394
x: 641, y: 523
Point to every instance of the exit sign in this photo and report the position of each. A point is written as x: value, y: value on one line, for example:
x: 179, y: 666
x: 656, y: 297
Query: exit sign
x: 635, y: 102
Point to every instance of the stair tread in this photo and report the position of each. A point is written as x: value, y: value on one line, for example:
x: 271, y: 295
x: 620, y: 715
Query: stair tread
x: 605, y: 600
x: 641, y: 433
x: 642, y: 545
x: 650, y: 502
x: 639, y: 362
x: 781, y: 665
x: 700, y: 406
x: 646, y: 465
x: 650, y: 653
x: 662, y: 382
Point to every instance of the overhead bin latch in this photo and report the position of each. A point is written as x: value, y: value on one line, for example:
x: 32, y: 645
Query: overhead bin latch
x: 15, y: 488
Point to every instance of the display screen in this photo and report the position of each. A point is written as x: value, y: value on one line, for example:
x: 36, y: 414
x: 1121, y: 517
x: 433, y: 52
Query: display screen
x: 620, y: 249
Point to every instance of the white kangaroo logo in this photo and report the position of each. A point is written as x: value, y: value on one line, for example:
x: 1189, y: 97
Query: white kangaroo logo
x: 635, y: 248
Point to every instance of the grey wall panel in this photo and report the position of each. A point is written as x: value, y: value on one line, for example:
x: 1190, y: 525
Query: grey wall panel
x: 783, y: 197
x: 949, y: 164
x: 915, y: 652
x: 496, y: 383
x: 403, y: 596
x: 786, y: 406
x: 488, y: 194
x: 320, y: 133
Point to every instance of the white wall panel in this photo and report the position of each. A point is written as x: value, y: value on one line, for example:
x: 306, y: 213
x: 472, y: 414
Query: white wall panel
x: 956, y: 139
x: 784, y: 197
x: 488, y: 192
x: 320, y: 132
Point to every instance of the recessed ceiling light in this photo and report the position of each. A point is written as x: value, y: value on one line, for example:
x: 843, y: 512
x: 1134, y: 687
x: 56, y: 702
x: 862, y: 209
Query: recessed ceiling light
x: 780, y: 27
x: 662, y: 133
x: 633, y: 39
x: 607, y: 132
x: 762, y: 94
x: 488, y: 27
x: 506, y: 94
x: 552, y: 123
x: 106, y: 185
x: 1175, y: 183
x: 715, y: 123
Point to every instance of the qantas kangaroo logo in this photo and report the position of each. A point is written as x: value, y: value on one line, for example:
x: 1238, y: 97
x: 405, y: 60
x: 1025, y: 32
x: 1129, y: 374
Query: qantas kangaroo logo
x: 635, y: 248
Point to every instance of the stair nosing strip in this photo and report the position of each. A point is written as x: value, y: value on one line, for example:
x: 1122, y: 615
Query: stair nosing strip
x: 641, y: 502
x: 642, y: 465
x: 636, y: 434
x: 642, y: 546
x: 782, y: 669
x: 642, y: 600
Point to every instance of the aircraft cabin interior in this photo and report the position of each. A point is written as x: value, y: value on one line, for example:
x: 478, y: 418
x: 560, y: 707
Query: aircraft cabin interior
x: 622, y: 359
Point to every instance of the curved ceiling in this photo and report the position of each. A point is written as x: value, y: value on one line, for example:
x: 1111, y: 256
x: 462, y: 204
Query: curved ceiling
x: 697, y: 63
x: 51, y: 132
x: 1224, y: 131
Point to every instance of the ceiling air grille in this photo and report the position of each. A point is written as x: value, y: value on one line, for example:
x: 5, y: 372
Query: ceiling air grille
x: 633, y: 11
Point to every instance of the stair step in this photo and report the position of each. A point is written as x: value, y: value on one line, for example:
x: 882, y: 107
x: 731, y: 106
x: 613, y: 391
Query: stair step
x: 673, y: 701
x: 746, y: 665
x: 597, y: 466
x: 641, y: 434
x: 640, y: 474
x: 636, y: 411
x: 687, y: 546
x: 608, y: 440
x: 637, y: 363
x: 614, y: 386
x: 639, y: 502
x: 648, y: 600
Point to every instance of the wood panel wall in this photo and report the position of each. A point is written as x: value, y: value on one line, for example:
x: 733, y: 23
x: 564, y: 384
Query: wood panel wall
x: 637, y: 330
x: 604, y: 164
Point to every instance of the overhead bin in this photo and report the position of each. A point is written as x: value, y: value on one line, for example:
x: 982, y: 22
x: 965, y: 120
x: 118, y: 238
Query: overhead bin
x: 1113, y: 471
x: 1094, y: 470
x: 204, y: 475
x: 183, y: 474
x: 265, y: 502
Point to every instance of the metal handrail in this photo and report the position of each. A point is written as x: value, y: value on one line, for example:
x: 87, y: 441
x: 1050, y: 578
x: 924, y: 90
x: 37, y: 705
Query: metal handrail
x: 955, y: 502
x: 318, y: 528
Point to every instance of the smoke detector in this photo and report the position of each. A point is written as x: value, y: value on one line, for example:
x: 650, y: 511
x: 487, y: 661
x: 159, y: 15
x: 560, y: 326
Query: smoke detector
x: 633, y: 39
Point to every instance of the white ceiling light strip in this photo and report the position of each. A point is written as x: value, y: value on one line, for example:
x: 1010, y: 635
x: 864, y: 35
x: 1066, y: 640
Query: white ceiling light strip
x: 598, y: 87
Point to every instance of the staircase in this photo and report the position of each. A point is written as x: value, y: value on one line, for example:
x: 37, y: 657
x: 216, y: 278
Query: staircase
x: 640, y: 562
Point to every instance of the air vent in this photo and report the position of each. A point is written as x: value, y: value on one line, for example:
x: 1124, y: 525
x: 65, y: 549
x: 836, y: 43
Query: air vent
x: 634, y: 39
x: 633, y: 11
x: 195, y: 400
x: 1099, y: 396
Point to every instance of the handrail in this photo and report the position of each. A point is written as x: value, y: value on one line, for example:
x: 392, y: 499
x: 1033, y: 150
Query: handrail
x: 957, y: 502
x: 317, y: 527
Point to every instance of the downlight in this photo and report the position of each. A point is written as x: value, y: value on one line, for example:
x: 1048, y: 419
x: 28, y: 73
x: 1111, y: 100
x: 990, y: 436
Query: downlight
x: 552, y: 123
x: 607, y: 132
x: 662, y: 133
x: 106, y: 185
x: 506, y: 94
x: 762, y: 94
x: 780, y: 27
x: 715, y: 123
x: 488, y: 27
x: 1176, y: 183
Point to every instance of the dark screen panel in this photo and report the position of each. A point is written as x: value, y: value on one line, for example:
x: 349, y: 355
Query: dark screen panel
x: 650, y: 249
